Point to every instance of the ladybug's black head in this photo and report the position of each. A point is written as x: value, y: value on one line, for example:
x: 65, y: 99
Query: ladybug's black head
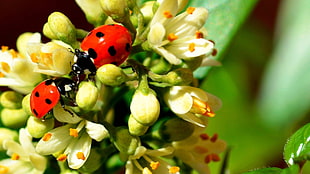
x: 83, y: 64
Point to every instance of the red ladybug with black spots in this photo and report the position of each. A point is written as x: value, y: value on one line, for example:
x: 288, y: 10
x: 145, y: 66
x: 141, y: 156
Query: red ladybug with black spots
x: 106, y: 44
x: 47, y: 94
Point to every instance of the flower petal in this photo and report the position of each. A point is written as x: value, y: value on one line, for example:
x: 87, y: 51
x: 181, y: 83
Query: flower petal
x: 64, y: 116
x: 156, y: 34
x: 96, y: 131
x: 178, y: 100
x: 170, y: 6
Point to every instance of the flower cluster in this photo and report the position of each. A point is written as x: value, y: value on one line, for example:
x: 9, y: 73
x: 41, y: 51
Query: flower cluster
x: 135, y: 104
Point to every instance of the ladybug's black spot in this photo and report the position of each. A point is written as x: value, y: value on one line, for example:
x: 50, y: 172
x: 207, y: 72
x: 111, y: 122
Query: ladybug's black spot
x: 99, y: 34
x: 127, y: 48
x: 92, y: 53
x: 37, y: 94
x: 112, y: 51
x: 48, y: 101
x: 35, y: 112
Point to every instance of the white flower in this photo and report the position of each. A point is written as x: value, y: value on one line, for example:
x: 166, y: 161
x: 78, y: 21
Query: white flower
x: 178, y: 37
x: 191, y: 103
x: 199, y: 150
x: 72, y: 141
x: 147, y: 161
x: 16, y: 71
x: 24, y: 158
x: 52, y: 58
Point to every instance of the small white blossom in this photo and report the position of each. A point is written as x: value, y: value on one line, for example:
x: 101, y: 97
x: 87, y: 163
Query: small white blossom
x: 191, y: 103
x: 177, y: 37
x: 24, y: 158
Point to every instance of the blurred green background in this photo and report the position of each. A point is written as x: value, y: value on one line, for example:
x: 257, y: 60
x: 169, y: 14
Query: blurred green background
x: 264, y: 47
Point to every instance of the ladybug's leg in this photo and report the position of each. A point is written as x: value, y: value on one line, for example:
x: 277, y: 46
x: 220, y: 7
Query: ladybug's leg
x: 62, y: 103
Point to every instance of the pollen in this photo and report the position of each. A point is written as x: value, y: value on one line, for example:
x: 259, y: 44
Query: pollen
x: 201, y: 107
x: 214, y: 138
x: 80, y: 155
x: 172, y: 37
x: 62, y: 157
x: 1, y: 75
x: 154, y: 165
x: 47, y: 136
x: 46, y: 58
x: 204, y: 136
x: 13, y: 53
x: 191, y: 47
x: 200, y: 149
x: 5, y: 67
x: 15, y: 156
x: 174, y: 169
x: 4, y: 169
x: 4, y: 48
x: 74, y: 132
x: 190, y: 10
x: 167, y: 14
x: 34, y: 58
x: 212, y: 157
x: 199, y: 35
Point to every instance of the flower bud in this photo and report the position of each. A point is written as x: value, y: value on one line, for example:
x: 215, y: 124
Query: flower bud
x: 59, y: 27
x: 38, y: 127
x: 22, y: 41
x: 26, y: 104
x: 111, y: 75
x: 176, y: 129
x: 11, y: 100
x: 147, y: 11
x: 181, y: 76
x: 136, y: 128
x: 93, y: 11
x: 145, y: 107
x: 114, y: 8
x: 14, y: 118
x: 87, y: 95
x: 7, y: 134
x: 125, y: 142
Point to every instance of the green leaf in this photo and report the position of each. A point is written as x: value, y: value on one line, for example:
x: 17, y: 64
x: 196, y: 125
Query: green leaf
x: 284, y: 97
x: 273, y: 170
x: 225, y: 18
x: 297, y: 149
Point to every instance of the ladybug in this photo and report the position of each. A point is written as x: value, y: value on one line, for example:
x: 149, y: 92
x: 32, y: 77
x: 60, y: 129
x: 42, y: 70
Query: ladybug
x: 47, y: 94
x: 108, y: 44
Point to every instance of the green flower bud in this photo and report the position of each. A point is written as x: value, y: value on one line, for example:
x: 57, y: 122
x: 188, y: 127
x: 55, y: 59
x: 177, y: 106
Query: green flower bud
x: 116, y: 9
x: 93, y: 11
x: 145, y: 107
x: 26, y: 104
x: 125, y: 142
x: 176, y: 129
x: 136, y: 128
x: 60, y: 26
x: 111, y: 75
x: 11, y: 100
x: 14, y: 118
x: 7, y: 134
x: 181, y: 76
x: 87, y: 95
x: 38, y: 127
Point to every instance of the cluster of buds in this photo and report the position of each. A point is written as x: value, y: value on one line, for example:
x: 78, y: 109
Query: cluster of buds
x: 147, y: 110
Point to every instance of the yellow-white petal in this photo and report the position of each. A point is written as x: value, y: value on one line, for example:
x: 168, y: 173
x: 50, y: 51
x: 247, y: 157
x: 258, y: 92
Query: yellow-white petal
x: 96, y: 131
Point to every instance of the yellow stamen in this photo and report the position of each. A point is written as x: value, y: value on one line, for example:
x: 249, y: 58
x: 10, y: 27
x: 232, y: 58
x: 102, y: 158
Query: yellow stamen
x: 1, y: 75
x: 5, y: 67
x: 174, y: 169
x: 46, y: 58
x: 190, y: 10
x: 199, y: 35
x: 13, y: 53
x: 200, y: 149
x: 47, y: 136
x: 4, y: 48
x: 167, y: 14
x: 62, y: 157
x: 4, y: 169
x: 172, y: 37
x: 191, y: 47
x: 15, y: 156
x: 80, y: 155
x: 154, y: 165
x: 34, y: 58
x: 74, y: 132
x: 201, y: 107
